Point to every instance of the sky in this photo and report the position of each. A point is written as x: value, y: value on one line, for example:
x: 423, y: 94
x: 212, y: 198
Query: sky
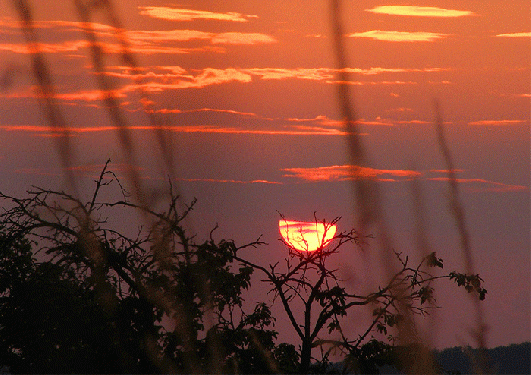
x: 236, y: 103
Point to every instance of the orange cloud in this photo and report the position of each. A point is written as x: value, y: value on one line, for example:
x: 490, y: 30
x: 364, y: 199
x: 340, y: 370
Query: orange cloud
x: 497, y: 122
x: 399, y: 36
x: 346, y: 172
x: 178, y: 14
x: 418, y: 11
x: 515, y: 35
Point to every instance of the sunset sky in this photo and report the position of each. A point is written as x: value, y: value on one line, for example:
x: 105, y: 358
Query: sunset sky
x: 244, y: 94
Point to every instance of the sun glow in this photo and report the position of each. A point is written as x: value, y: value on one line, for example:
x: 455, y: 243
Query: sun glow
x: 306, y: 236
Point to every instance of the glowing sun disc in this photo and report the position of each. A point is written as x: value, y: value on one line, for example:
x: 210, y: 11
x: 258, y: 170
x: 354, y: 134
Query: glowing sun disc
x: 306, y: 236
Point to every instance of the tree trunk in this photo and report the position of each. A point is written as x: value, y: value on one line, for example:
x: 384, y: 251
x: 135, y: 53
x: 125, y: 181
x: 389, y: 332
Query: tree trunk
x: 306, y: 356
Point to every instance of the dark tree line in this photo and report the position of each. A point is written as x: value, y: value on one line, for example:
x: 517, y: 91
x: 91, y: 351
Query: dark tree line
x: 77, y: 296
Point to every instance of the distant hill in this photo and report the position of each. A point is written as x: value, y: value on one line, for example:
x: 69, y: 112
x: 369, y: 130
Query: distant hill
x: 512, y: 359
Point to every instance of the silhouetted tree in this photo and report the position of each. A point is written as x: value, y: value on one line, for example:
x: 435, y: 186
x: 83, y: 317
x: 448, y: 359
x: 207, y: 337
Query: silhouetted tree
x: 309, y: 280
x: 78, y: 296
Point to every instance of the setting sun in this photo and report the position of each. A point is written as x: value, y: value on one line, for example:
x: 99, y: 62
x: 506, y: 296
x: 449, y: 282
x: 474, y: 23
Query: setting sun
x: 306, y: 236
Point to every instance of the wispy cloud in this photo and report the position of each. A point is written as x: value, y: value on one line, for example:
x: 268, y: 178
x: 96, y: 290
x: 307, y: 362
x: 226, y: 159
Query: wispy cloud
x: 419, y: 11
x: 479, y: 185
x: 372, y: 83
x: 230, y: 181
x: 497, y: 122
x: 69, y: 46
x: 399, y: 36
x: 86, y: 170
x: 416, y: 122
x: 158, y: 79
x: 140, y: 41
x: 215, y: 110
x: 352, y: 172
x: 315, y: 74
x: 242, y: 38
x: 347, y: 172
x: 273, y: 129
x: 161, y: 78
x: 179, y: 14
x: 516, y: 35
x: 339, y: 124
x: 327, y: 74
x: 238, y: 38
x: 207, y: 77
x: 446, y: 171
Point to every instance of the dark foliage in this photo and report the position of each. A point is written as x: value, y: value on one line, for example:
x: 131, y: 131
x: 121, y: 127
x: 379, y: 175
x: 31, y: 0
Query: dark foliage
x: 77, y: 296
